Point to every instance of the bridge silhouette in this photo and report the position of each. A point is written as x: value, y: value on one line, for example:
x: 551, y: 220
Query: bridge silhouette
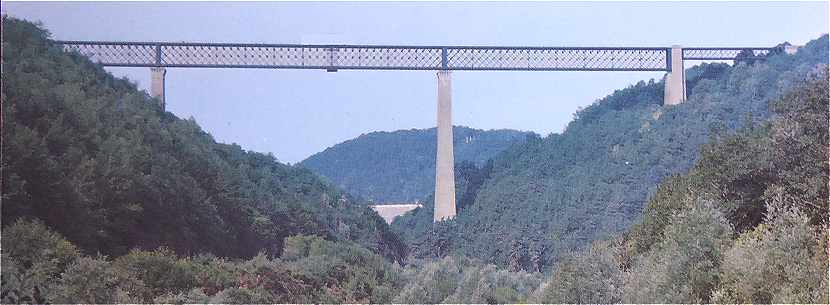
x: 444, y: 59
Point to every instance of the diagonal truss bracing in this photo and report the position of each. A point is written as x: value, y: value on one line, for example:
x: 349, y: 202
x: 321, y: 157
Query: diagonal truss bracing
x: 723, y: 53
x: 372, y: 57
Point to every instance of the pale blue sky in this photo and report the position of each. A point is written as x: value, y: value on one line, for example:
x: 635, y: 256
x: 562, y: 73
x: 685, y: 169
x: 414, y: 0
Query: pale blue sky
x: 295, y: 113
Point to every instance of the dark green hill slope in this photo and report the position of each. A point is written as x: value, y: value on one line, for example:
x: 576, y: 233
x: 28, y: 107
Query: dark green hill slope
x: 98, y: 162
x: 399, y: 166
x: 747, y: 224
x: 591, y: 181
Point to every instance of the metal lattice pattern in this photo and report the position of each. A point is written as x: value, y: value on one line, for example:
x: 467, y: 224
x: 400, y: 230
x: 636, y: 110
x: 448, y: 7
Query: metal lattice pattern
x: 387, y: 58
x: 243, y: 56
x: 157, y: 54
x: 120, y: 54
x: 588, y: 59
x: 721, y: 53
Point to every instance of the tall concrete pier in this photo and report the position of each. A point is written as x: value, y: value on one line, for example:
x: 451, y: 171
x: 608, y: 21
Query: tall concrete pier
x: 415, y: 58
x: 444, y: 161
x: 675, y: 79
x: 157, y: 84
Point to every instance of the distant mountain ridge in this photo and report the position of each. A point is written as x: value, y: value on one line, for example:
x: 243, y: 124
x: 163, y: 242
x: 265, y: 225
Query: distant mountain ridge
x: 399, y: 166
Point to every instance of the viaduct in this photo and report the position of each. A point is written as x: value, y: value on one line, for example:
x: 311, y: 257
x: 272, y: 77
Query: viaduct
x: 443, y: 59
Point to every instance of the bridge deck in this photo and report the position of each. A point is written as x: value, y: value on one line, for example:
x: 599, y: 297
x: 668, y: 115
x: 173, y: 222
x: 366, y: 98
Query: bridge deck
x: 377, y: 57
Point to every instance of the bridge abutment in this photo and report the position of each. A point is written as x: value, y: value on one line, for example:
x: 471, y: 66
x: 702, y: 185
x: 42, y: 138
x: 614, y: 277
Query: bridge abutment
x: 157, y: 75
x: 675, y: 92
x: 444, y: 160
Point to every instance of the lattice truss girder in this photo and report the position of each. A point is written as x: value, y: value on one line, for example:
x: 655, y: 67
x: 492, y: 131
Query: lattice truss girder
x: 301, y: 57
x: 619, y: 59
x: 389, y: 57
x: 721, y: 53
x: 121, y: 54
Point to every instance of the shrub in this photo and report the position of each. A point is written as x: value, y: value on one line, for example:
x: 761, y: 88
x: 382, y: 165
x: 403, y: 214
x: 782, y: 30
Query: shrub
x: 488, y: 284
x: 781, y: 261
x: 340, y: 271
x: 240, y: 295
x: 683, y: 267
x: 33, y: 257
x: 32, y: 245
x: 672, y: 195
x: 160, y: 271
x: 93, y: 281
x: 431, y: 282
x: 214, y: 274
x: 590, y: 276
x: 273, y: 280
x: 194, y: 296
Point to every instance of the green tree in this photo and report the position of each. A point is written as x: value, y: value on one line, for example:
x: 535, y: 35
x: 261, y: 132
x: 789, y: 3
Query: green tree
x: 489, y: 284
x: 589, y: 276
x: 96, y: 160
x: 33, y: 257
x: 594, y: 180
x: 399, y: 166
x: 432, y: 281
x: 92, y: 281
x: 684, y: 265
x: 783, y: 260
x: 160, y: 271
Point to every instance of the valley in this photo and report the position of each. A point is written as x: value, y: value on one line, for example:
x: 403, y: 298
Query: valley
x: 109, y: 198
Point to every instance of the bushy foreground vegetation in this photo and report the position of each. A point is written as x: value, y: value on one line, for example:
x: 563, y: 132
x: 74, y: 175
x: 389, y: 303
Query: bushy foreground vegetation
x: 748, y: 224
x: 40, y: 266
x: 456, y: 279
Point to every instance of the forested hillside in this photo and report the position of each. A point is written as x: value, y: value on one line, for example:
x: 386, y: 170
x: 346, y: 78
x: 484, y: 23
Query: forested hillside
x: 747, y: 224
x: 399, y: 166
x: 96, y: 160
x: 108, y: 199
x: 566, y: 190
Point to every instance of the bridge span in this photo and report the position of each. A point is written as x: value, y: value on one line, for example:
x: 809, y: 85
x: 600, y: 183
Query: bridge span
x: 443, y: 59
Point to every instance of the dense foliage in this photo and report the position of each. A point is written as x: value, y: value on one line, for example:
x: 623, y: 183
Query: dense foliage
x: 399, y: 166
x: 97, y: 161
x: 456, y: 279
x: 39, y: 266
x: 740, y: 227
x: 556, y: 194
x: 107, y: 199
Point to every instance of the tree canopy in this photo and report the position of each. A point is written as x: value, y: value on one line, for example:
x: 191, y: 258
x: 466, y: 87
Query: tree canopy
x: 399, y: 166
x: 108, y: 199
x: 96, y: 160
x: 559, y: 193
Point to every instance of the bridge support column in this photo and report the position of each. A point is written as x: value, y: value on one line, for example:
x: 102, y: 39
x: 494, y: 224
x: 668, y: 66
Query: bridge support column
x: 157, y: 84
x: 675, y: 92
x: 444, y: 161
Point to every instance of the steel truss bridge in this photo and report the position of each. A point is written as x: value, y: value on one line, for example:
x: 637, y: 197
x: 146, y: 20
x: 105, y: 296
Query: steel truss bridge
x: 444, y: 59
x: 377, y: 57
